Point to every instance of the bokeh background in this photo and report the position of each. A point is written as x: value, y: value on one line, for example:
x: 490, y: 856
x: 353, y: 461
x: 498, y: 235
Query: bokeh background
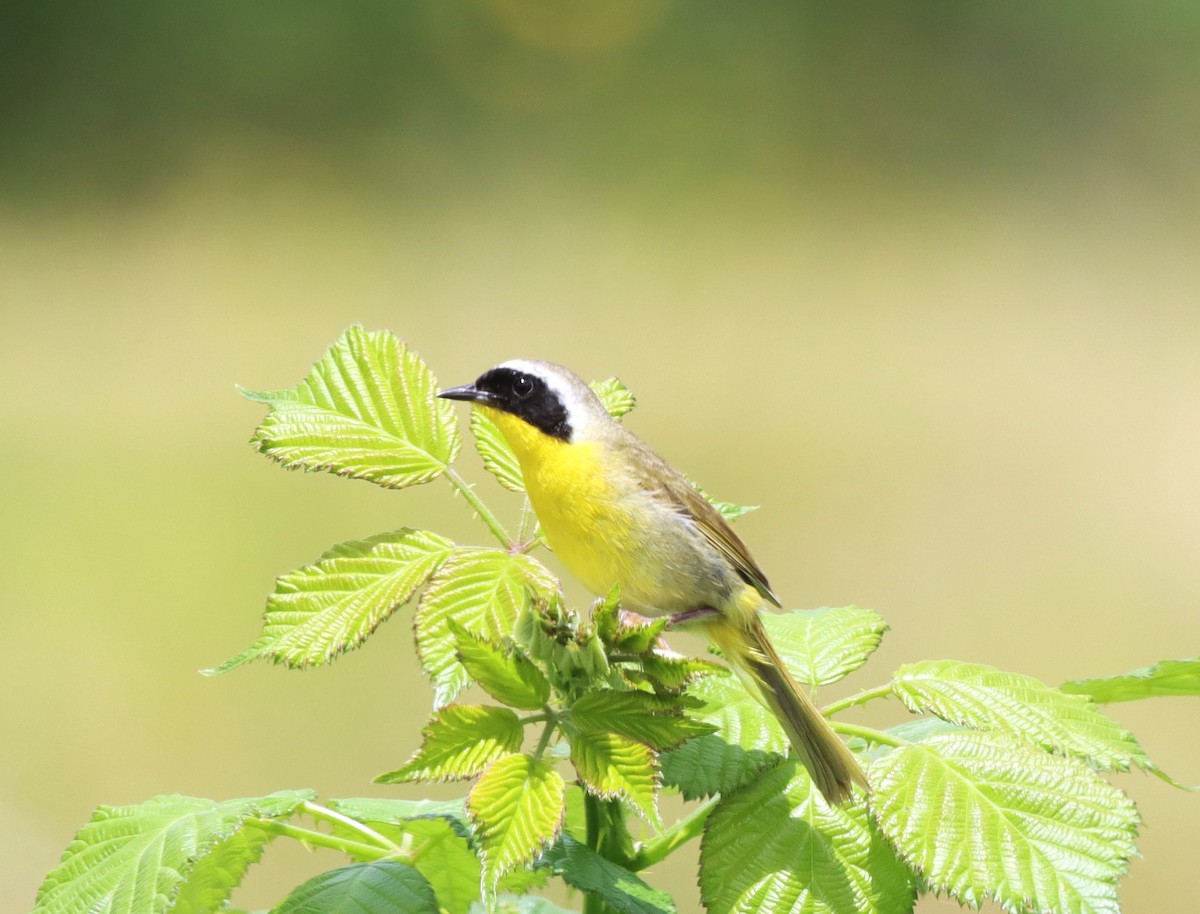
x: 922, y: 279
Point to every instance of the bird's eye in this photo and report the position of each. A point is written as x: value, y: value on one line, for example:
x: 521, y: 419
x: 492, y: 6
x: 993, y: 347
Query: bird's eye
x: 522, y: 387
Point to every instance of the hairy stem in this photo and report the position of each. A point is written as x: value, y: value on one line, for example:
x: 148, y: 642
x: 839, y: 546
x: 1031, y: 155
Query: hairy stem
x: 859, y: 698
x: 477, y: 505
x: 870, y: 734
x: 678, y: 834
x: 551, y: 724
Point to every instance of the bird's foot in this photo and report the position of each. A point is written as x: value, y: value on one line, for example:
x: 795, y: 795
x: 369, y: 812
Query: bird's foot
x: 691, y: 616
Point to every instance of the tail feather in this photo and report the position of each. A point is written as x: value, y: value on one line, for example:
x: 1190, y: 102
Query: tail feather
x: 833, y: 767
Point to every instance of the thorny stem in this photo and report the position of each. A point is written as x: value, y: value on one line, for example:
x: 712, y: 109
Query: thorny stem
x: 869, y: 734
x: 354, y: 849
x: 479, y: 507
x: 859, y: 698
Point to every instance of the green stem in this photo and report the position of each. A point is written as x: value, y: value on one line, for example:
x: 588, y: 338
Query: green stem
x: 608, y: 836
x: 680, y: 833
x: 870, y: 734
x: 544, y: 741
x: 859, y: 698
x: 317, y: 811
x: 479, y: 507
x: 354, y: 849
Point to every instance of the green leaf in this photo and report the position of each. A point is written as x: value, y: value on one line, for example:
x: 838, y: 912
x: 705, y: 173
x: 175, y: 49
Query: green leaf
x: 616, y: 397
x: 366, y: 410
x: 776, y: 846
x: 611, y: 766
x: 727, y: 510
x: 498, y: 456
x: 505, y: 675
x: 623, y: 892
x: 334, y: 604
x: 517, y: 806
x: 984, y: 698
x: 220, y: 871
x: 459, y: 742
x: 990, y: 816
x: 821, y: 646
x: 748, y: 738
x: 1167, y: 677
x: 363, y: 888
x: 141, y: 858
x: 642, y: 716
x: 485, y: 591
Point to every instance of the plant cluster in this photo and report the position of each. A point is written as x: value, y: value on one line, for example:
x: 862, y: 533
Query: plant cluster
x: 992, y: 790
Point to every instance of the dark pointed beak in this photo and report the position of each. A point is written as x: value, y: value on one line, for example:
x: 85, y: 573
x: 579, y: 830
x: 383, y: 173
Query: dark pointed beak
x: 468, y: 392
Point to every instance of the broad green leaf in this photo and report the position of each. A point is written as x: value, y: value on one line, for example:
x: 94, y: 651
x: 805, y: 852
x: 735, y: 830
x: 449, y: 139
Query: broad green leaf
x: 435, y: 836
x: 985, y: 698
x: 775, y: 846
x: 498, y: 456
x: 366, y: 410
x: 1167, y: 677
x: 517, y: 806
x: 333, y: 605
x: 485, y: 591
x: 616, y: 397
x: 505, y: 675
x: 363, y: 888
x: 622, y: 891
x: 990, y: 816
x: 141, y: 858
x: 611, y: 766
x: 821, y: 646
x: 459, y: 742
x: 637, y: 715
x: 747, y: 739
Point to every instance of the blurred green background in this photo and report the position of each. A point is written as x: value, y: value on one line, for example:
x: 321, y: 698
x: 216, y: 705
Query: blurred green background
x: 921, y: 279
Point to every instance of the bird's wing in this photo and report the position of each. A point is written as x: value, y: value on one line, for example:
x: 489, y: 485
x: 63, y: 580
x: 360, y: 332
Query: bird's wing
x: 716, y: 530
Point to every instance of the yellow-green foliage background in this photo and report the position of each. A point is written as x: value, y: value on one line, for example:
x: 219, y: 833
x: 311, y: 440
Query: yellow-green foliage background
x: 921, y: 279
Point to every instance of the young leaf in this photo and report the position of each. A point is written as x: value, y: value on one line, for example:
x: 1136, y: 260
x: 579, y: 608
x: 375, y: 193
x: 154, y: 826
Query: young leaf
x: 637, y: 715
x: 1167, y: 677
x: 775, y: 846
x: 331, y: 606
x: 623, y: 892
x: 616, y: 397
x: 990, y: 816
x: 612, y: 765
x: 984, y: 698
x: 727, y: 510
x: 459, y: 742
x: 366, y: 410
x: 821, y: 646
x: 505, y: 675
x: 140, y: 858
x: 399, y: 812
x: 220, y: 871
x: 517, y: 806
x: 384, y: 885
x: 485, y: 591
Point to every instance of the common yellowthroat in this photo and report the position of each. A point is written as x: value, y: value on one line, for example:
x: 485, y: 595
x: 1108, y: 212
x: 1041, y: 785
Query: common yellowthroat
x: 615, y: 512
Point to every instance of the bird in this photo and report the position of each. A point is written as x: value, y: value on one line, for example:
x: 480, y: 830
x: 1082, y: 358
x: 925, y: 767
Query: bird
x: 615, y: 512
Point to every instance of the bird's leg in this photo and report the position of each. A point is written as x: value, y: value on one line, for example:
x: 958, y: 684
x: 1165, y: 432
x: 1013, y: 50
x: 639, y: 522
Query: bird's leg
x: 689, y: 616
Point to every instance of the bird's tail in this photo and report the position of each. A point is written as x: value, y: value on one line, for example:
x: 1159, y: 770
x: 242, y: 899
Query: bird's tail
x: 834, y: 768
